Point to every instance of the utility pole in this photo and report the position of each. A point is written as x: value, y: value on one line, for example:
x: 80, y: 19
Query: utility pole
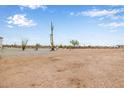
x: 51, y: 37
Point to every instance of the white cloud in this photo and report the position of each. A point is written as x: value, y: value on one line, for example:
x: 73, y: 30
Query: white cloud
x: 99, y: 13
x: 20, y: 20
x: 102, y: 14
x: 112, y: 24
x: 10, y: 26
x: 33, y: 7
x: 117, y: 17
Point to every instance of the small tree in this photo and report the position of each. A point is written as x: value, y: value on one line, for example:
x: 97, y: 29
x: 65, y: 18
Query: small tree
x: 24, y: 44
x: 74, y: 42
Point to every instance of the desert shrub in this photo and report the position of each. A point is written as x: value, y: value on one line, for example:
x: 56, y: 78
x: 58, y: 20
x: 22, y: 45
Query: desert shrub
x: 24, y: 44
x: 37, y: 46
x: 60, y: 46
x: 69, y: 47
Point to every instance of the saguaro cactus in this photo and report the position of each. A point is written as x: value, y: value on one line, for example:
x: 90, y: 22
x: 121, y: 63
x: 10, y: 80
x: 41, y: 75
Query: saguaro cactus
x: 51, y: 38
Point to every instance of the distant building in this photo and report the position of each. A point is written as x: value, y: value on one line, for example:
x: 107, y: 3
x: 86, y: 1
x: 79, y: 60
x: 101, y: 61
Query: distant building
x: 1, y: 40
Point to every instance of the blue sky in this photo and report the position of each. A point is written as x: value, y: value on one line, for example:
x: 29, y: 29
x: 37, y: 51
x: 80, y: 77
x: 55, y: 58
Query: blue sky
x: 91, y: 25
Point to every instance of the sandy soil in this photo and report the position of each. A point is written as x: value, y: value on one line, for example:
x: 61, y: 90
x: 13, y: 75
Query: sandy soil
x: 65, y: 68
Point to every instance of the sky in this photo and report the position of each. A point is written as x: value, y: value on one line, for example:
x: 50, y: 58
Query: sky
x: 90, y: 25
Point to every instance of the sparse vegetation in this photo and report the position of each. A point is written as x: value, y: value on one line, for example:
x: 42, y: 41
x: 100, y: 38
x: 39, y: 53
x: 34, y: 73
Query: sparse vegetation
x: 24, y: 44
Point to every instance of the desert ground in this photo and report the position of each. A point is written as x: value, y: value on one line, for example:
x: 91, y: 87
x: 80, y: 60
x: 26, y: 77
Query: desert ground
x: 63, y: 68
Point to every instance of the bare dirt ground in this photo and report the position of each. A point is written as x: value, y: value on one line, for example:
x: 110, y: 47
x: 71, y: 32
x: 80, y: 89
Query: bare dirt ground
x: 64, y: 68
